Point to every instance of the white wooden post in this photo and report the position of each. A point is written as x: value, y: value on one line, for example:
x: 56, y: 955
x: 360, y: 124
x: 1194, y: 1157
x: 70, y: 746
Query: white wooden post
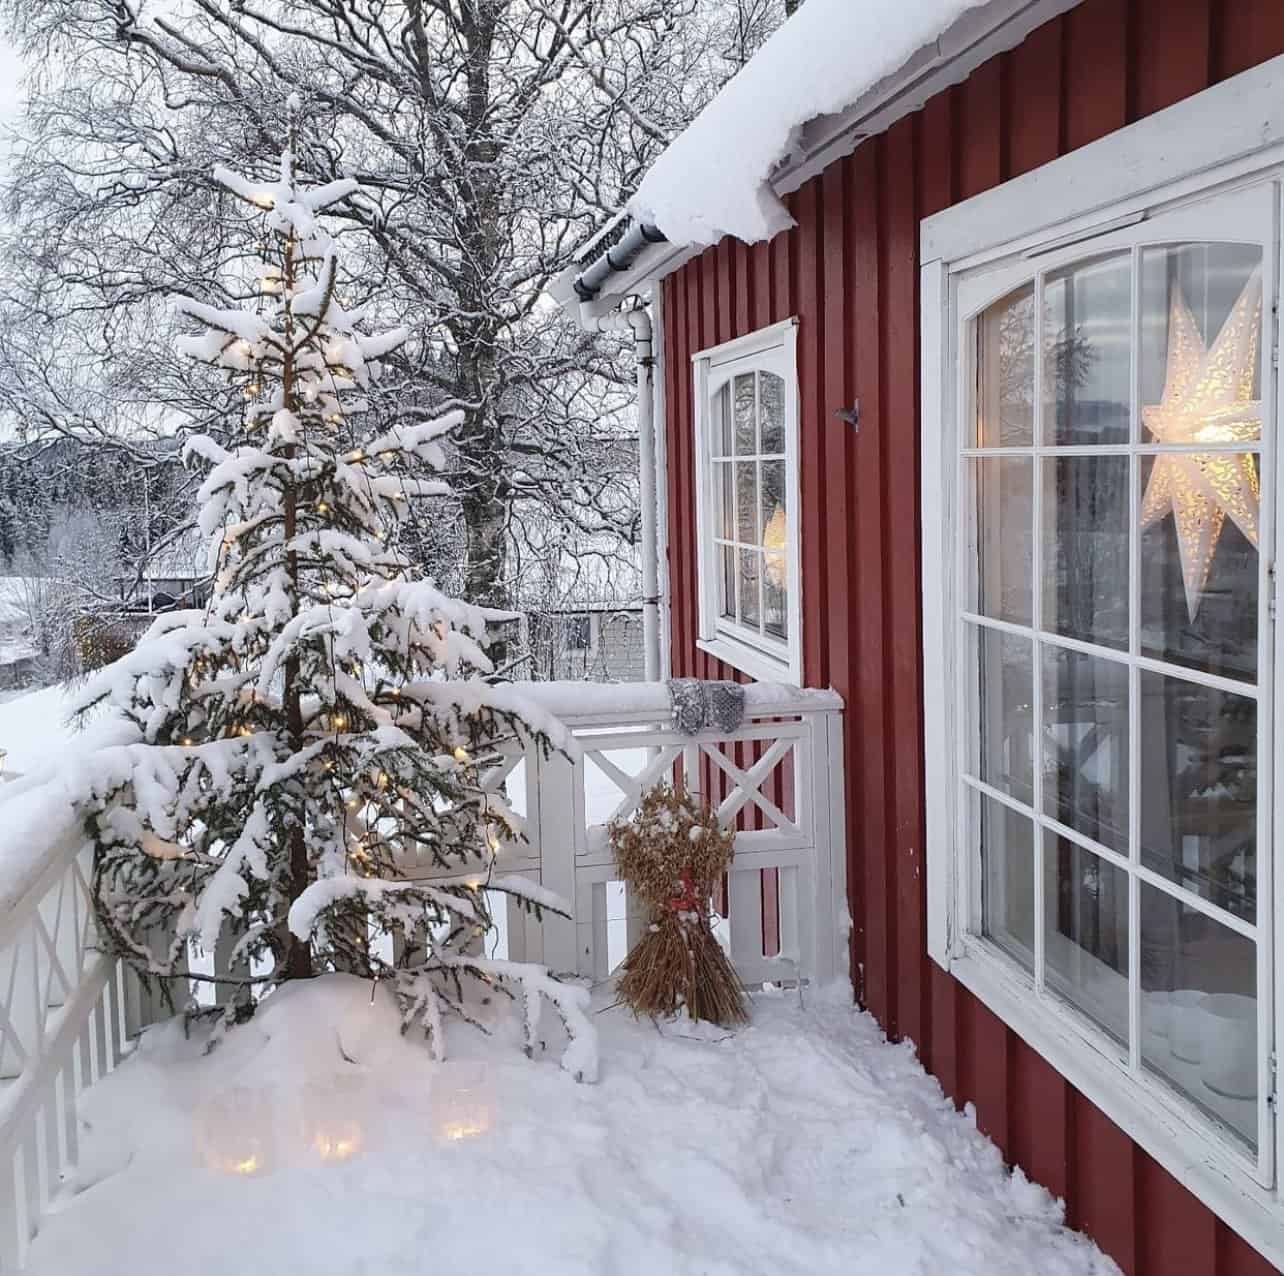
x: 558, y: 818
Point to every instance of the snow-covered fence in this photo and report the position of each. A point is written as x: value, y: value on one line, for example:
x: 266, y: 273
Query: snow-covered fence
x: 777, y: 778
x: 66, y: 1015
x: 67, y: 1010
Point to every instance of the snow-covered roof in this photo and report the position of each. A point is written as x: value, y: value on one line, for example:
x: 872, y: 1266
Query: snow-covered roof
x: 713, y: 180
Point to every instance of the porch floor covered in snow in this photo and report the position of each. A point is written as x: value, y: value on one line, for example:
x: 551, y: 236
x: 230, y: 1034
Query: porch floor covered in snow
x: 317, y: 1139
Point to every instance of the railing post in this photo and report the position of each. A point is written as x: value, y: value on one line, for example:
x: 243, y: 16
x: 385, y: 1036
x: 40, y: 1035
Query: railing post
x: 557, y: 819
x: 829, y: 821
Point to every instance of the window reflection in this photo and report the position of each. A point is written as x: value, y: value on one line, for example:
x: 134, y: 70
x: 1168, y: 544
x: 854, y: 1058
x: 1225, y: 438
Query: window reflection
x: 1199, y: 790
x: 1199, y: 1009
x: 1085, y: 547
x: 1086, y: 937
x: 1005, y: 372
x: 1087, y: 352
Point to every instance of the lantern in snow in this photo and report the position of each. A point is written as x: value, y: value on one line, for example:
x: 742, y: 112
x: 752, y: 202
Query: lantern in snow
x: 461, y: 1102
x: 235, y: 1134
x: 333, y: 1126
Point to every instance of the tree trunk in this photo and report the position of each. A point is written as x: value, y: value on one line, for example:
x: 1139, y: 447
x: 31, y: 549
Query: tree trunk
x: 298, y: 953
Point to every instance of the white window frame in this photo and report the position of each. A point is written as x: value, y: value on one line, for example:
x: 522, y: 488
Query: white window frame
x: 773, y: 349
x: 1228, y: 137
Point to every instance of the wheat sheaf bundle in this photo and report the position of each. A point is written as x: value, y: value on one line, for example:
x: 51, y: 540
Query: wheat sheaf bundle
x: 671, y: 851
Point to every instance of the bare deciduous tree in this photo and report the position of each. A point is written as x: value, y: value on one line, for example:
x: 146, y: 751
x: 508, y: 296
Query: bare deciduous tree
x: 491, y: 137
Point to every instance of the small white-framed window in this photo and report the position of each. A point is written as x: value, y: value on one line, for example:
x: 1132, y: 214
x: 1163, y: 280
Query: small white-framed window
x: 747, y: 503
x: 1100, y: 485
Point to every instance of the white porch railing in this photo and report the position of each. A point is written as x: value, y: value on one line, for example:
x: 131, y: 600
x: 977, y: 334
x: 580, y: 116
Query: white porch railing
x: 68, y: 1011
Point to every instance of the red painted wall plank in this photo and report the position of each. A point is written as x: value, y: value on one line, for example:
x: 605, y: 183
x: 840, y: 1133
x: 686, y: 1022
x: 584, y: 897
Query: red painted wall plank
x: 1172, y: 39
x: 1038, y: 1124
x: 1102, y: 1196
x: 980, y: 123
x: 1096, y: 61
x: 867, y: 695
x: 1174, y: 1235
x: 1247, y: 35
x: 903, y: 734
x: 1032, y: 100
x: 811, y: 373
x: 987, y: 1051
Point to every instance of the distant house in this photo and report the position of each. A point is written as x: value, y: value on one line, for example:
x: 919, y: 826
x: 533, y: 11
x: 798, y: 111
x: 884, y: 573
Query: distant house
x: 967, y: 325
x: 581, y: 612
x: 174, y: 577
x: 18, y: 650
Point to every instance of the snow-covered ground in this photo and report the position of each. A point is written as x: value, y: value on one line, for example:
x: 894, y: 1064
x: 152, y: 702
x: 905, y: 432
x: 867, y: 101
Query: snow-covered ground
x: 34, y: 729
x: 318, y: 1140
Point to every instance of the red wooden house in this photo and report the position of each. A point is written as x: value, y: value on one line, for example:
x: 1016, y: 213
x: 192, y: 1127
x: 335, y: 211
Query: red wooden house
x: 966, y: 327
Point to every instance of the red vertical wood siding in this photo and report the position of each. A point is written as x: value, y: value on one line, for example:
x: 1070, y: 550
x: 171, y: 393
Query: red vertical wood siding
x: 849, y: 271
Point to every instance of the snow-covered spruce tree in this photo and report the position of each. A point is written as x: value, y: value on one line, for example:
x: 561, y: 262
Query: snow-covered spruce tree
x: 316, y: 737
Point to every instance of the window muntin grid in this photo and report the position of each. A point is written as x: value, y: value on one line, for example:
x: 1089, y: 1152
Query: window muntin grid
x: 748, y: 465
x: 1033, y: 641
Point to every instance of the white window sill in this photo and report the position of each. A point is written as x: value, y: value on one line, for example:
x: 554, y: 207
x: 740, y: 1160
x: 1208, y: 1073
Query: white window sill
x: 758, y: 664
x: 1197, y: 1159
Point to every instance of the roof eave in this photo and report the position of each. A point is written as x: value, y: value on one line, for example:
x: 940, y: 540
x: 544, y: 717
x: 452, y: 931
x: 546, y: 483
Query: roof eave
x: 972, y: 40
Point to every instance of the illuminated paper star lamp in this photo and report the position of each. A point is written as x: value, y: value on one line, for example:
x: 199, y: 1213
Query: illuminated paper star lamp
x: 1208, y: 398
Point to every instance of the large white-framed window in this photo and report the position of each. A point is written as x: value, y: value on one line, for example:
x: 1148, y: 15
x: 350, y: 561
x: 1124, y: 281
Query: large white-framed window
x: 747, y: 502
x: 1100, y: 487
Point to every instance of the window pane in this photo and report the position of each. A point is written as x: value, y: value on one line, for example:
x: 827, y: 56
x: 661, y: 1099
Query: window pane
x: 1199, y: 1009
x: 1086, y: 932
x: 1087, y: 352
x: 772, y: 478
x: 727, y: 582
x: 1085, y: 552
x: 1005, y: 372
x: 726, y: 519
x: 747, y: 502
x: 724, y: 422
x: 746, y: 436
x: 775, y: 596
x: 775, y: 536
x: 1199, y: 790
x: 1198, y: 567
x: 1004, y: 738
x: 771, y: 413
x: 1085, y: 745
x: 1201, y: 322
x: 749, y: 563
x: 1005, y: 538
x: 1007, y: 878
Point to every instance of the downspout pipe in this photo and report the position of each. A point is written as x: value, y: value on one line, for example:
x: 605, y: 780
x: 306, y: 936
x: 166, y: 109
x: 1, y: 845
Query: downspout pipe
x: 637, y: 323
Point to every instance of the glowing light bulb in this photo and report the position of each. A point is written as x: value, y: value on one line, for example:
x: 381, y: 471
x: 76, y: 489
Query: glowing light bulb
x: 322, y: 507
x: 461, y: 754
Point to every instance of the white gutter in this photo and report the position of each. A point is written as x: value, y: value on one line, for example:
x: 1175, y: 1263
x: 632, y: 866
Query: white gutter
x: 638, y: 324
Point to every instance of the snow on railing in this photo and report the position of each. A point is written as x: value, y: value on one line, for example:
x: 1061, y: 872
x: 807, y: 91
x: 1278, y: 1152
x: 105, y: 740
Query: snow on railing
x: 68, y: 1011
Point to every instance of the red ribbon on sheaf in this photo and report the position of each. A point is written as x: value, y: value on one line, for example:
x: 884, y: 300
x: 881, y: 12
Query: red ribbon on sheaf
x: 689, y: 900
